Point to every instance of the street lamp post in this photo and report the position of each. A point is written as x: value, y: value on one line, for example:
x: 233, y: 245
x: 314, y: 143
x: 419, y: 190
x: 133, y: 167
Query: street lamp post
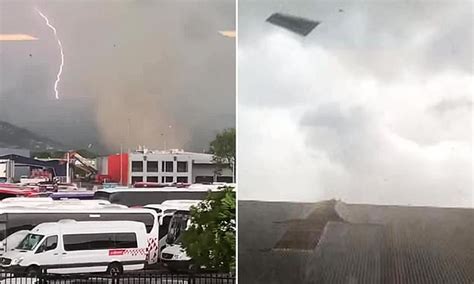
x: 68, y: 178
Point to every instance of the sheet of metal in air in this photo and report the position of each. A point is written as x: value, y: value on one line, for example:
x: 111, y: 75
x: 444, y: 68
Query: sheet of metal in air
x: 297, y: 25
x: 230, y: 34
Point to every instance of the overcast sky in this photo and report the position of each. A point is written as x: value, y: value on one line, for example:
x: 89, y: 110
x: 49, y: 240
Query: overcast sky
x: 138, y: 64
x: 374, y: 106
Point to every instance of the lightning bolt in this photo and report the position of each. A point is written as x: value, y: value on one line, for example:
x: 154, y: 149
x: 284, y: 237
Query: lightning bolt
x: 60, y: 71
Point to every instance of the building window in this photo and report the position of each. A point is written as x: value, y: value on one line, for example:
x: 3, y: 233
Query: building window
x: 168, y: 179
x: 182, y: 179
x: 167, y: 166
x: 76, y: 242
x: 152, y: 167
x: 137, y: 179
x: 137, y: 166
x: 182, y: 167
x: 204, y: 179
x: 152, y: 179
x: 226, y: 179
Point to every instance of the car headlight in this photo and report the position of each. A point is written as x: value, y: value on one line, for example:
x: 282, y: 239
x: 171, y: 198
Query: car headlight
x: 17, y: 260
x: 176, y: 256
x: 180, y: 256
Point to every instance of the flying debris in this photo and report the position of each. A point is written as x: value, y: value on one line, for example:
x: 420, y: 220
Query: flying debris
x: 297, y: 25
x: 341, y: 10
x: 231, y: 34
x: 16, y: 37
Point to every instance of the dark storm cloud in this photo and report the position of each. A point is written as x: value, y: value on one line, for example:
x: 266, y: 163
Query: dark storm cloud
x: 132, y: 69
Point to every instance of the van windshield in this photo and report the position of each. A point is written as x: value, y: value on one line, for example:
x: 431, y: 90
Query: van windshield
x: 3, y: 230
x: 178, y: 224
x: 30, y: 242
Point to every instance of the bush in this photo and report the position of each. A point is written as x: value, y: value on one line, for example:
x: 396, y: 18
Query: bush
x: 210, y: 239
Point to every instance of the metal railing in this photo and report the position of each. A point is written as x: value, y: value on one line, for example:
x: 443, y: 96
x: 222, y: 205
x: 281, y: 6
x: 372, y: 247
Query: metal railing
x: 129, y: 278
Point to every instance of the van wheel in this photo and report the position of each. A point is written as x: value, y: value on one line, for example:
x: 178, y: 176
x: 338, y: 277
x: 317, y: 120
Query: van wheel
x: 193, y: 268
x: 33, y: 271
x: 115, y: 269
x: 172, y: 269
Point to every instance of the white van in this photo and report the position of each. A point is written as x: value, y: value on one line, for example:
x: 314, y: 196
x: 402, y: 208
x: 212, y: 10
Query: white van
x: 47, y: 202
x: 12, y: 241
x: 13, y: 219
x: 68, y: 246
x: 166, y: 212
x: 173, y: 256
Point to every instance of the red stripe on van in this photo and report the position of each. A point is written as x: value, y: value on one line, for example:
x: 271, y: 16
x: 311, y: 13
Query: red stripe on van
x: 116, y: 252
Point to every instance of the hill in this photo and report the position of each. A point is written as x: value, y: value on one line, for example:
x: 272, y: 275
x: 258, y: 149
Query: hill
x: 12, y: 136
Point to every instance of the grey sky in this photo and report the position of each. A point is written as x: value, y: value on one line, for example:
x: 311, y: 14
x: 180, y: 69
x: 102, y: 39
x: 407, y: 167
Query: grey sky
x: 147, y: 64
x: 375, y: 105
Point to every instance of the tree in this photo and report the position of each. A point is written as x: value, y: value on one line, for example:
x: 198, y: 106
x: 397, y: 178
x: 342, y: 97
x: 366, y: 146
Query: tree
x: 210, y: 239
x: 223, y: 149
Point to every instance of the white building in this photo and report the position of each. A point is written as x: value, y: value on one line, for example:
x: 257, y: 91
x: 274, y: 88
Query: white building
x: 175, y: 166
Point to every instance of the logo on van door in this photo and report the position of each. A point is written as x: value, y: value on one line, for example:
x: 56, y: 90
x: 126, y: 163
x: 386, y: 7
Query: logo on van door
x: 132, y: 252
x: 116, y: 252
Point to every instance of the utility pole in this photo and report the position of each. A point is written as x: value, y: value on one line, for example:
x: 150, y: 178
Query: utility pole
x: 129, y: 128
x: 169, y: 131
x: 121, y: 162
x: 164, y: 142
x: 68, y: 179
x: 163, y: 136
x: 233, y: 171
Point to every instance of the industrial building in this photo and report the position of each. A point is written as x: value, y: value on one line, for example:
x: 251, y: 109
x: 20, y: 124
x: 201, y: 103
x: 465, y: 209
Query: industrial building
x: 8, y: 169
x: 16, y: 164
x: 171, y: 166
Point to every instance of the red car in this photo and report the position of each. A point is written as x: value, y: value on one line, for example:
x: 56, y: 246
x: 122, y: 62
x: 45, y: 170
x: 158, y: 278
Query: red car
x: 12, y: 190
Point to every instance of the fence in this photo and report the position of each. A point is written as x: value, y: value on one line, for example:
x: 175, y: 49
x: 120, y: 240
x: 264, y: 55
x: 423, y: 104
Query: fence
x: 138, y: 278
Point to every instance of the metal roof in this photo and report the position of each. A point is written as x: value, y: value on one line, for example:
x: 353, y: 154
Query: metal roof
x: 368, y: 244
